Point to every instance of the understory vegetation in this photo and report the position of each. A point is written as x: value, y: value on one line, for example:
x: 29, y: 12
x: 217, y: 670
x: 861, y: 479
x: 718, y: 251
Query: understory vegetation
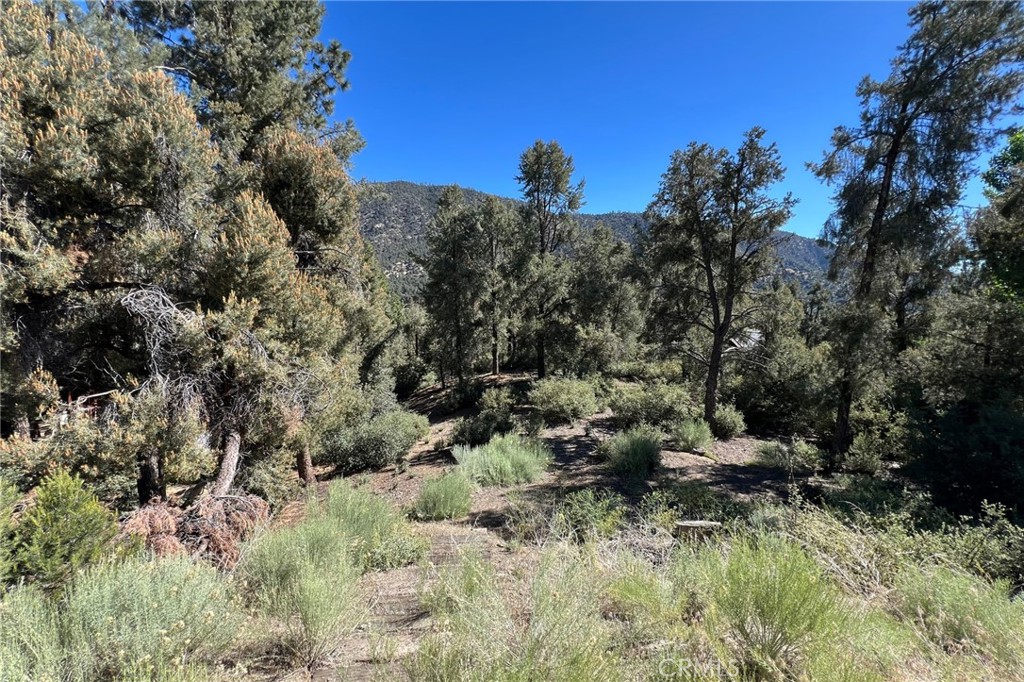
x: 780, y: 592
x: 505, y: 460
x: 585, y: 453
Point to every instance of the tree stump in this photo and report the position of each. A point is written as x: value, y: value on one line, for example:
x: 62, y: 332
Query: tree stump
x: 695, y: 530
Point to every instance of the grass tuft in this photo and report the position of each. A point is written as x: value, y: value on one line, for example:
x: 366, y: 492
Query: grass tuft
x: 158, y: 619
x: 506, y: 460
x: 378, y: 535
x: 633, y: 454
x: 447, y: 497
x: 692, y: 435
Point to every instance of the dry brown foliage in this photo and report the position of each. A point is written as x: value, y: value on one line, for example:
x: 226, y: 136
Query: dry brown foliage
x: 213, y: 528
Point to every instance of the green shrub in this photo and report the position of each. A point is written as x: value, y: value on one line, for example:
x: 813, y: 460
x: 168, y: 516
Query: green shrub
x: 377, y: 443
x: 957, y: 612
x: 304, y: 577
x: 882, y: 429
x: 692, y: 434
x: 273, y: 478
x: 659, y: 404
x: 30, y: 646
x: 799, y: 458
x: 64, y: 530
x: 774, y: 602
x: 463, y: 395
x: 447, y: 497
x: 728, y: 422
x: 633, y: 454
x: 104, y: 452
x: 506, y: 460
x: 147, y: 619
x: 495, y: 418
x: 566, y: 637
x: 378, y: 537
x: 409, y: 376
x: 563, y: 400
x: 584, y: 515
x: 696, y: 500
x: 646, y: 598
x: 498, y: 400
x: 562, y: 635
x: 9, y: 497
x: 864, y: 455
x: 806, y: 456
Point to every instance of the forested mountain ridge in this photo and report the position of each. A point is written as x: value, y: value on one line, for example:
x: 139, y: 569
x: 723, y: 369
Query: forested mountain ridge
x: 393, y: 216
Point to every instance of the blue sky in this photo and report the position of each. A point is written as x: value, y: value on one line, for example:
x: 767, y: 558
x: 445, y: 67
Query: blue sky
x: 454, y: 92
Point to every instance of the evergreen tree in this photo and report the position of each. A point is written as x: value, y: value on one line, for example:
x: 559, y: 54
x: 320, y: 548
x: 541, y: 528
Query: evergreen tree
x: 900, y: 173
x: 454, y: 285
x: 606, y: 316
x: 551, y: 199
x: 711, y: 241
x: 141, y: 260
x: 502, y: 259
x: 249, y: 67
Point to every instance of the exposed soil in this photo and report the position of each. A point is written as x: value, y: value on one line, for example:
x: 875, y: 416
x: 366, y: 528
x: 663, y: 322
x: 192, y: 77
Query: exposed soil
x: 397, y: 619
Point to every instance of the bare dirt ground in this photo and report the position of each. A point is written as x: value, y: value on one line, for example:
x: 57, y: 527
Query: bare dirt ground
x: 397, y: 619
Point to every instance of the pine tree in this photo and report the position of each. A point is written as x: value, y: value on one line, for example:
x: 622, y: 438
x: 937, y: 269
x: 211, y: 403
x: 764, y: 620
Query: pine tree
x: 713, y: 225
x: 545, y: 176
x: 502, y: 258
x: 900, y: 173
x: 454, y: 283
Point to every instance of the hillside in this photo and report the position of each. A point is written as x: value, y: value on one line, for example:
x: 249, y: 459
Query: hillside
x: 394, y: 217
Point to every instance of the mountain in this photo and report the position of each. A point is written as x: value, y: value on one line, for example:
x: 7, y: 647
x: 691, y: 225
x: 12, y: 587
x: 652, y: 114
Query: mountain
x: 393, y: 216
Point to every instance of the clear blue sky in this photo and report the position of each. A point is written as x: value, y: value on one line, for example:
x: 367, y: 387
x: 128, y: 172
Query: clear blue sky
x: 453, y: 92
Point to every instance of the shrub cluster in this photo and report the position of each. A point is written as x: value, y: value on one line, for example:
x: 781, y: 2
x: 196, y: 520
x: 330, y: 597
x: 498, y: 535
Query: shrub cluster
x: 505, y: 460
x: 586, y: 515
x: 564, y: 637
x: 633, y: 454
x: 377, y: 535
x: 104, y: 452
x: 63, y: 530
x: 164, y: 619
x: 495, y: 418
x: 728, y: 422
x: 446, y: 497
x: 692, y: 435
x: 305, y: 578
x: 798, y: 458
x: 563, y: 400
x: 773, y: 601
x: 376, y: 443
x: 660, y: 404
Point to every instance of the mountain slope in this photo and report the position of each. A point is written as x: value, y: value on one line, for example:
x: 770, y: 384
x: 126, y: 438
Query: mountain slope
x: 393, y: 216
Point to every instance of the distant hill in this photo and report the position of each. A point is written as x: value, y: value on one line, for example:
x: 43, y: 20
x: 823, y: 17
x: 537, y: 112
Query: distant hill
x: 393, y: 216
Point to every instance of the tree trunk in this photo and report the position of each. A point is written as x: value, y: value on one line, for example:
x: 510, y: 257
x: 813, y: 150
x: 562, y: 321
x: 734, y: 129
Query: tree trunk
x: 151, y: 484
x: 23, y: 427
x: 844, y: 434
x: 459, y: 356
x: 541, y: 369
x: 228, y: 464
x: 843, y: 438
x: 901, y: 340
x: 494, y: 348
x: 711, y: 384
x: 304, y: 465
